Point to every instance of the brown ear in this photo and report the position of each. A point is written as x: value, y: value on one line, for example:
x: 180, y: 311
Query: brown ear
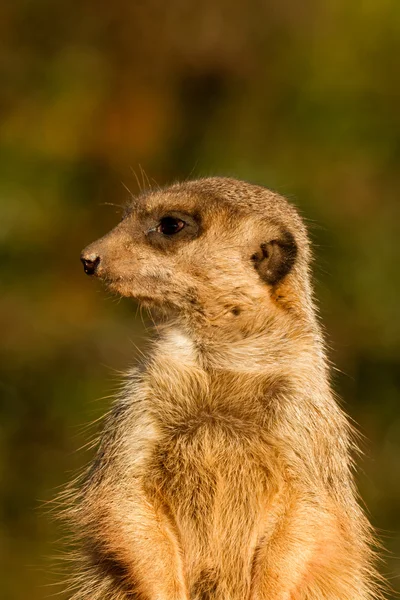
x: 275, y: 259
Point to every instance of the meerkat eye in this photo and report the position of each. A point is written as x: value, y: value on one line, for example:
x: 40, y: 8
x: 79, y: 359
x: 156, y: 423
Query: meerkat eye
x: 170, y: 225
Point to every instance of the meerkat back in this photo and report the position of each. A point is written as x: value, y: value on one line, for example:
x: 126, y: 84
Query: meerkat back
x: 224, y: 468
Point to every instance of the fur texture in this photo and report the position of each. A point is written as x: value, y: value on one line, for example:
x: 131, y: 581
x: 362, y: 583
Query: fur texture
x: 224, y: 471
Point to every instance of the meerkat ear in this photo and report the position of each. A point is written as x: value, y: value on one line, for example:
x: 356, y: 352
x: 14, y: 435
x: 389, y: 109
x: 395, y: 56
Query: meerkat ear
x: 275, y: 258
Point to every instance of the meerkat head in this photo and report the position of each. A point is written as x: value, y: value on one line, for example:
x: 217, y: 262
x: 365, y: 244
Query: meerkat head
x: 214, y: 250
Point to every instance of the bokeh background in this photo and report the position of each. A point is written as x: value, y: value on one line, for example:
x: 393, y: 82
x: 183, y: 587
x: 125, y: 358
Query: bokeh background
x: 303, y: 97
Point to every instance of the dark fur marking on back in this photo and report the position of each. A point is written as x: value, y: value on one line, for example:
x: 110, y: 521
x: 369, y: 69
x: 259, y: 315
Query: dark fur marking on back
x: 116, y: 570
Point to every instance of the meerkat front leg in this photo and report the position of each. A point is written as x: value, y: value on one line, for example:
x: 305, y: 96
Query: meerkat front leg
x: 136, y: 534
x: 288, y: 552
x: 305, y: 557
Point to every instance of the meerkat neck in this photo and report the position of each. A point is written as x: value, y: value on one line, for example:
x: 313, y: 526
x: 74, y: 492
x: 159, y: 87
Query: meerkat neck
x: 268, y: 351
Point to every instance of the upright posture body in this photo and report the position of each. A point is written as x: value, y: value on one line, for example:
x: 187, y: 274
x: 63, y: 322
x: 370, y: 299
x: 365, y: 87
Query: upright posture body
x: 224, y: 470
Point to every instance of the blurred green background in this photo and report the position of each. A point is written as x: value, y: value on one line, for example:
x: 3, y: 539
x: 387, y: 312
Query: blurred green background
x: 303, y: 97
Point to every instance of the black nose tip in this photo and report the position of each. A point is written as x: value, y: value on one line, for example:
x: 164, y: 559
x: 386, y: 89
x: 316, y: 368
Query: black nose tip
x: 90, y: 263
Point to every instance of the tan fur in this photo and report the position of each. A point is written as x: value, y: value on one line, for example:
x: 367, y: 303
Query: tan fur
x: 224, y: 469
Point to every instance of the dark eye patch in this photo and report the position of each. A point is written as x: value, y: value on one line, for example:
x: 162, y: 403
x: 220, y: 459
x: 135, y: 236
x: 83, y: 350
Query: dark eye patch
x: 166, y: 229
x: 170, y: 226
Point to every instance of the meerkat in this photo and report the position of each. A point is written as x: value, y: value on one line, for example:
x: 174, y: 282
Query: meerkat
x: 224, y: 471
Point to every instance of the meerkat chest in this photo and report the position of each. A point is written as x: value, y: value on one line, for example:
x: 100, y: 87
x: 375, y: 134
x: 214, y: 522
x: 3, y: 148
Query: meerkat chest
x: 215, y: 460
x: 211, y: 432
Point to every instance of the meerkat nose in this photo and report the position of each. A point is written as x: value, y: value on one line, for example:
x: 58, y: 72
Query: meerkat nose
x: 90, y: 263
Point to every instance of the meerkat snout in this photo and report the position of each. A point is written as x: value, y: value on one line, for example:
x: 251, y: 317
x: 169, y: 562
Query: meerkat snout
x: 90, y: 263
